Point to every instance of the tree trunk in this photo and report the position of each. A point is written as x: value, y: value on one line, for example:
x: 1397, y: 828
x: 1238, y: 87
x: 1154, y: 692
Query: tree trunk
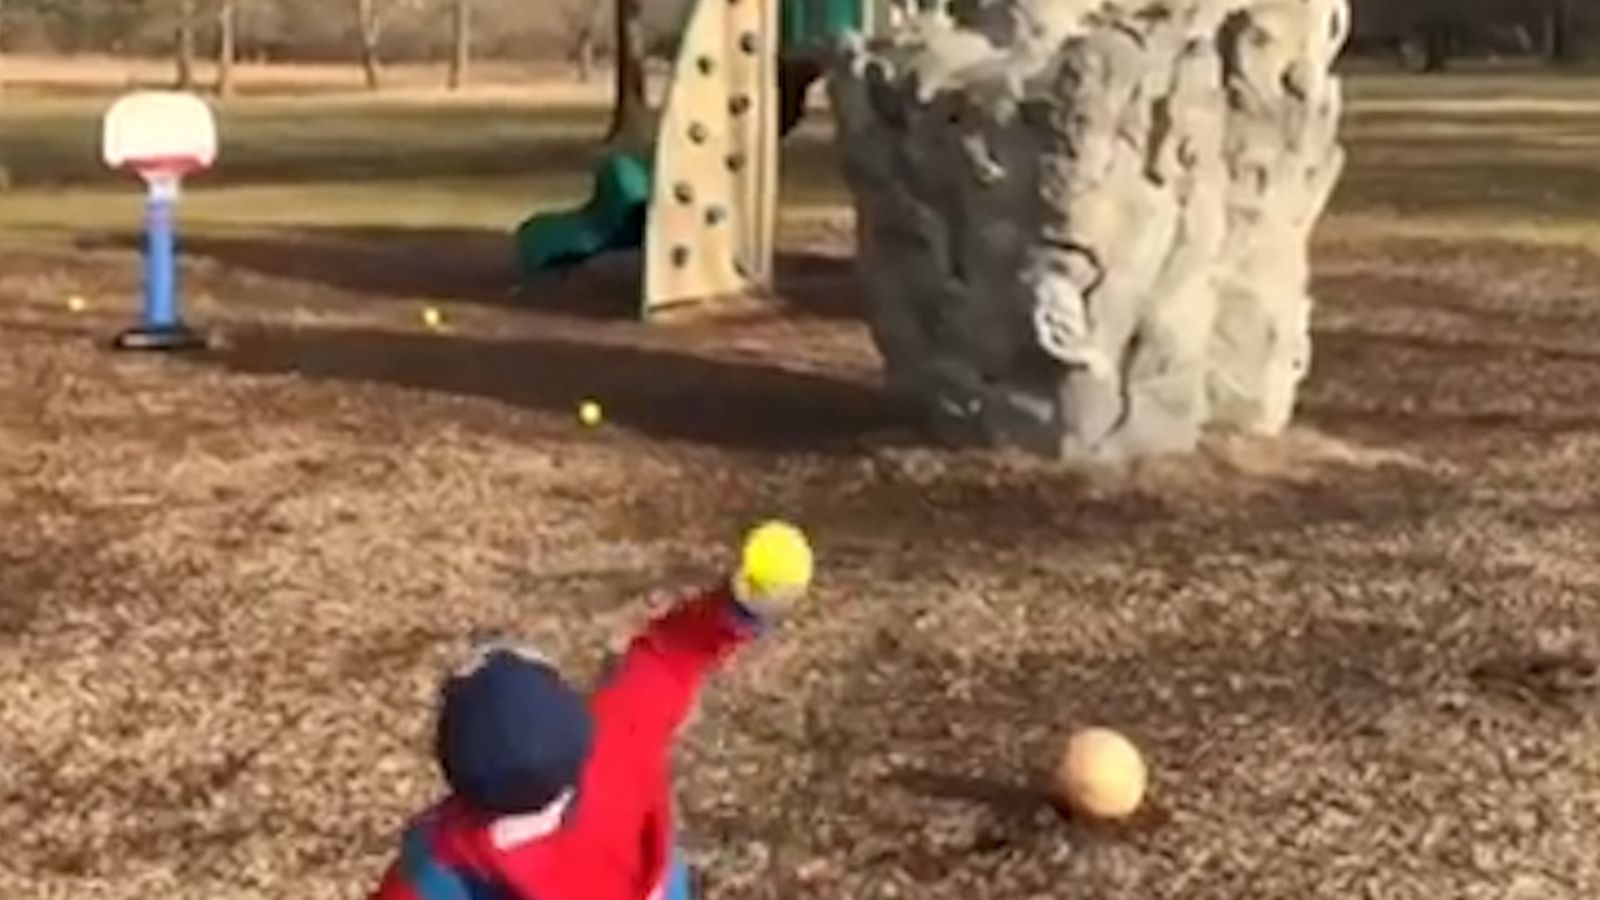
x: 629, y: 112
x: 184, y: 45
x: 587, y: 26
x: 583, y: 54
x: 369, y: 27
x: 5, y: 173
x: 1089, y: 271
x: 1560, y: 47
x: 461, y: 43
x: 795, y: 78
x: 227, y: 45
x: 1438, y: 39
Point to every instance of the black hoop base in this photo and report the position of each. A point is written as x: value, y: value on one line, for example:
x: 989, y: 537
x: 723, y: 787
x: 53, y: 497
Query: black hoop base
x: 166, y: 338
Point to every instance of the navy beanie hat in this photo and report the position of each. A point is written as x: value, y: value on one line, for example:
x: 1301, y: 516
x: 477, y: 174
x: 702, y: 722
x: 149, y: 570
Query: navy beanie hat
x: 512, y: 735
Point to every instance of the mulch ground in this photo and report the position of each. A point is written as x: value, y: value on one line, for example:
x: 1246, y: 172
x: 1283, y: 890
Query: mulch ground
x: 1360, y: 658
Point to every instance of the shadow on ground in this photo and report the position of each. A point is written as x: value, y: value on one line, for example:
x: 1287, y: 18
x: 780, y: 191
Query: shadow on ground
x: 479, y: 266
x: 1434, y: 390
x: 660, y: 393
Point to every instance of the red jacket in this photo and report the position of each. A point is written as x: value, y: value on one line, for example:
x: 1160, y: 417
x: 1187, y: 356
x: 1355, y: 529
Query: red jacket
x: 616, y: 839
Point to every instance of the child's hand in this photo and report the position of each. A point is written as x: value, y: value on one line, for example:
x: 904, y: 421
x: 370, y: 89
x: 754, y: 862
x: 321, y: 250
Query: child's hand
x: 774, y: 571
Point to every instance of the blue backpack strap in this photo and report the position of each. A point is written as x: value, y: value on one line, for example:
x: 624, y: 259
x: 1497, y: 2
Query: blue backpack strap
x: 678, y: 885
x: 428, y: 877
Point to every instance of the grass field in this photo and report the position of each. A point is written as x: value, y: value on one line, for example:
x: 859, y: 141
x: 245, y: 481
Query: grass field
x: 1485, y: 153
x: 1361, y: 658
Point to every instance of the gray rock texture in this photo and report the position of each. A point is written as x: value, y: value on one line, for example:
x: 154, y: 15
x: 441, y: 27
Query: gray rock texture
x: 1083, y: 226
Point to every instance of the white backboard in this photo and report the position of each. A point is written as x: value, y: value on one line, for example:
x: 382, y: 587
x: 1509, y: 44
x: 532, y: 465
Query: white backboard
x: 164, y: 129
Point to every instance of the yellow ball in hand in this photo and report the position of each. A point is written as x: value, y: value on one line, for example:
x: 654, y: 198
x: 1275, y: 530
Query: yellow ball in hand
x: 777, y: 559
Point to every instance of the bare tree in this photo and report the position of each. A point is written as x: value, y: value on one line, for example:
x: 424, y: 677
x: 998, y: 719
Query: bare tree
x: 461, y: 43
x: 1558, y: 31
x: 581, y: 24
x: 1438, y: 44
x: 227, y: 45
x: 183, y: 47
x: 5, y: 173
x: 369, y: 28
x: 629, y: 110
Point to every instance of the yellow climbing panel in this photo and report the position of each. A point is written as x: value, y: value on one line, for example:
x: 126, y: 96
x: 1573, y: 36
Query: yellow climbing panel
x: 713, y: 209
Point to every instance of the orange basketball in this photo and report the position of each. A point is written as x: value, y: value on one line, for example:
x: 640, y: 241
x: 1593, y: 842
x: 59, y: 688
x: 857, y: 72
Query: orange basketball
x: 1101, y: 775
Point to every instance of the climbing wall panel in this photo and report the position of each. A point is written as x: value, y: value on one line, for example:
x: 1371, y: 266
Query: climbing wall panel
x: 713, y: 211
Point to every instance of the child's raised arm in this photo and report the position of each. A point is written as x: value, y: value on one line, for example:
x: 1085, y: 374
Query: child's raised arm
x: 660, y: 675
x: 648, y: 695
x: 653, y: 686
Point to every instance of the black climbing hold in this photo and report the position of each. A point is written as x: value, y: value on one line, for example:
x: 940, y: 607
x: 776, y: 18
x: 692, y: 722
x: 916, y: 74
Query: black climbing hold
x: 698, y: 133
x: 707, y: 65
x: 735, y: 162
x: 749, y: 43
x: 716, y: 215
x: 739, y: 105
x: 683, y: 191
x: 680, y: 256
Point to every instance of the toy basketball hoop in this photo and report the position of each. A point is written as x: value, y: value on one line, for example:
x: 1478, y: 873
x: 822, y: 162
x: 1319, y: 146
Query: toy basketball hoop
x: 163, y: 137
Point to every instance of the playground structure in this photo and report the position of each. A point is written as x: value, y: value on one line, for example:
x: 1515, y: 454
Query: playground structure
x: 701, y: 202
x: 1052, y: 259
x: 161, y: 136
x: 1083, y: 227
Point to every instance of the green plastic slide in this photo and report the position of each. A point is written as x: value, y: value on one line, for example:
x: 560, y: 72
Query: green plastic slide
x: 811, y: 26
x: 613, y: 219
x: 615, y: 216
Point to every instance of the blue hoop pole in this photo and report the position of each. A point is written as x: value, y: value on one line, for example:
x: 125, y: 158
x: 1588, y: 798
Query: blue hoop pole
x: 160, y: 258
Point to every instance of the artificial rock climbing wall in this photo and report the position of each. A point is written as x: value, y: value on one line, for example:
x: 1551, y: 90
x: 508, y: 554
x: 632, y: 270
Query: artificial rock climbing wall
x: 1083, y: 226
x: 713, y: 211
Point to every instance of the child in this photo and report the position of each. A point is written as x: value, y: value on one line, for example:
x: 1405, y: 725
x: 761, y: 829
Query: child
x: 553, y: 798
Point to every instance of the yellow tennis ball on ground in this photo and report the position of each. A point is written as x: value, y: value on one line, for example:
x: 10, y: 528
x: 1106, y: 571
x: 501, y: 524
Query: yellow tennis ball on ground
x: 589, y: 412
x: 76, y: 303
x: 777, y: 556
x: 1101, y: 774
x: 432, y: 317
